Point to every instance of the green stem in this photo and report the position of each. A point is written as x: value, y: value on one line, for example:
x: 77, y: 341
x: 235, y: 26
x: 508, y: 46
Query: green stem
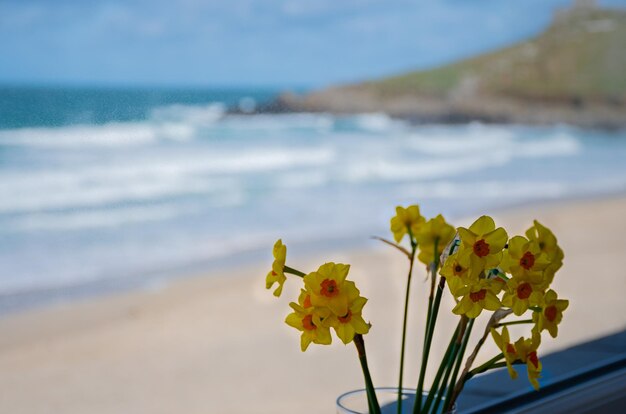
x: 515, y: 322
x: 406, y: 312
x: 441, y: 392
x: 442, y: 367
x: 432, y: 290
x: 448, y: 404
x: 293, y: 271
x: 487, y: 365
x: 429, y: 337
x: 496, y: 365
x: 372, y: 401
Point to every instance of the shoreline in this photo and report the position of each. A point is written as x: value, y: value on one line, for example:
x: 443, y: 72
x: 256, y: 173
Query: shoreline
x: 217, y: 343
x: 51, y: 297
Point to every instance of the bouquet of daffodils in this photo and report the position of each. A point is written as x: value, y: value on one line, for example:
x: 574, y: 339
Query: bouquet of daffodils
x: 484, y: 270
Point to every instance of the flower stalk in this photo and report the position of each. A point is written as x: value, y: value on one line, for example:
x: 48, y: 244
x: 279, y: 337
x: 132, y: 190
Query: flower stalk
x: 405, y: 318
x: 372, y: 401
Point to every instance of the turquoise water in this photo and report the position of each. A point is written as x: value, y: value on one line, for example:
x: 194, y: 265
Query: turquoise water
x: 110, y: 189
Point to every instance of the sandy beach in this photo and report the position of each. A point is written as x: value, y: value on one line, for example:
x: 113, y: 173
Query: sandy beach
x: 217, y: 343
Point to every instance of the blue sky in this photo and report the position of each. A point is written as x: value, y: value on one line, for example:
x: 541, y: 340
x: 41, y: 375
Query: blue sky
x: 282, y: 43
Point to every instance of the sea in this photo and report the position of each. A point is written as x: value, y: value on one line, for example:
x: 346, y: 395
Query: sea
x: 108, y: 189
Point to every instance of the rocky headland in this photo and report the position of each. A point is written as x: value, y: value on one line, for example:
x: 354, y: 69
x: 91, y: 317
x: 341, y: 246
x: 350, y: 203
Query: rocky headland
x: 574, y: 73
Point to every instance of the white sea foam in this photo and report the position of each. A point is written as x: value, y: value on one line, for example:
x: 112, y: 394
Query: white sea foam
x: 490, y: 189
x: 111, y: 135
x: 188, y: 114
x: 145, y: 178
x: 273, y: 124
x: 101, y: 218
x: 375, y: 122
x: 175, y: 122
x: 389, y: 170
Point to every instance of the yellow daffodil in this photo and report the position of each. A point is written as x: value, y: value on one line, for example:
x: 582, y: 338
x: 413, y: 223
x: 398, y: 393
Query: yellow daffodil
x: 527, y: 352
x: 304, y: 299
x: 456, y: 271
x: 277, y: 275
x: 328, y: 287
x: 352, y: 322
x: 521, y: 294
x: 309, y: 321
x: 477, y: 295
x: 547, y: 243
x: 485, y: 242
x: 508, y: 350
x: 434, y: 233
x: 524, y: 260
x: 551, y: 313
x: 405, y: 219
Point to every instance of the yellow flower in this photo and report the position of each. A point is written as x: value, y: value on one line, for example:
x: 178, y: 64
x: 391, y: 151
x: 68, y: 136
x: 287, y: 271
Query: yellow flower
x: 309, y: 321
x: 456, y: 271
x: 547, y: 243
x: 551, y: 313
x: 524, y: 260
x: 508, y: 350
x: 276, y: 275
x: 328, y: 287
x: 352, y: 322
x: 527, y: 353
x: 434, y: 232
x: 405, y: 219
x: 521, y: 294
x: 485, y: 242
x: 478, y: 294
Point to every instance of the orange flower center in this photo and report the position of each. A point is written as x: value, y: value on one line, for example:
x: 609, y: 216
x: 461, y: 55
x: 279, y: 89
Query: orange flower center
x: 329, y: 288
x: 458, y: 269
x: 481, y: 248
x: 345, y: 318
x: 524, y: 290
x: 550, y: 313
x: 307, y: 323
x: 532, y: 357
x: 273, y: 273
x: 527, y: 261
x: 306, y: 303
x: 476, y: 296
x: 510, y: 349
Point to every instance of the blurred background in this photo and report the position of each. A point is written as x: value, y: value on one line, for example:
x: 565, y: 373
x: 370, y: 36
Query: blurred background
x: 127, y: 152
x: 142, y: 141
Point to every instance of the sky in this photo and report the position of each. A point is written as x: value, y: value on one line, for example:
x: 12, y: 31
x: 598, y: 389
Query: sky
x: 230, y: 43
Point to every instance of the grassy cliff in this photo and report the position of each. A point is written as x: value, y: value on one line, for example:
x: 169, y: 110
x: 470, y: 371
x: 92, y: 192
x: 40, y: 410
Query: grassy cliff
x: 573, y: 72
x: 582, y: 55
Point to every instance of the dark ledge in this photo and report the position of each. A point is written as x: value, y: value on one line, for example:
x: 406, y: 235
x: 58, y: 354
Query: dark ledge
x: 586, y: 378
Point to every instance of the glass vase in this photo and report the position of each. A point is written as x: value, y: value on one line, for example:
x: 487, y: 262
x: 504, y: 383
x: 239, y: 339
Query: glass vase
x: 355, y: 402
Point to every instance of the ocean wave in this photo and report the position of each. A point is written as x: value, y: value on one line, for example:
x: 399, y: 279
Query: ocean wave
x: 274, y: 123
x: 188, y: 114
x: 144, y: 179
x: 488, y: 190
x: 375, y: 122
x: 387, y: 170
x: 173, y: 123
x: 101, y: 218
x: 479, y: 140
x: 113, y: 135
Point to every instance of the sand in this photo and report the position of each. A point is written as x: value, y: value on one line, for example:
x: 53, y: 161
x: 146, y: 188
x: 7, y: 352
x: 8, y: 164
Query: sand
x: 217, y: 343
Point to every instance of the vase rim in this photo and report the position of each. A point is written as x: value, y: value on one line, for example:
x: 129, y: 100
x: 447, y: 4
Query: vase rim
x: 407, y: 391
